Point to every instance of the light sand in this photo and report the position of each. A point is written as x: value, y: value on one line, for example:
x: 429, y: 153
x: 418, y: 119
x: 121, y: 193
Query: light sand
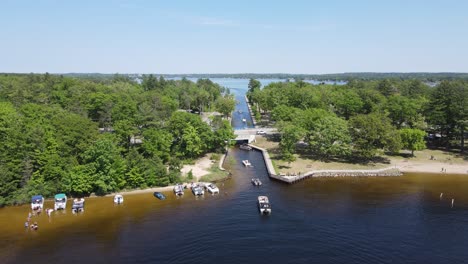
x: 432, y: 166
x: 199, y: 169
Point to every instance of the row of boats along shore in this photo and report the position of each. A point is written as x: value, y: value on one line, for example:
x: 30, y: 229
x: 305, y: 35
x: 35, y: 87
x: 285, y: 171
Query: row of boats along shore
x: 78, y: 204
x: 198, y: 189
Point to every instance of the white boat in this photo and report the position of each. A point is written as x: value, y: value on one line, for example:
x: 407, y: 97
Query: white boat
x: 244, y: 120
x: 179, y: 190
x: 212, y: 188
x: 60, y: 201
x: 197, y: 190
x: 245, y: 147
x: 118, y: 199
x: 264, y: 205
x: 256, y: 182
x: 78, y: 205
x: 37, y: 202
x: 246, y: 163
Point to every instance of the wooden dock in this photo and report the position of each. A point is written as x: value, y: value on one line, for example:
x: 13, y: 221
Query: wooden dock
x: 288, y: 178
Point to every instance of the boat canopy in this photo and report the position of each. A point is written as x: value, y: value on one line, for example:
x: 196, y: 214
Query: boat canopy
x: 60, y: 196
x: 37, y: 198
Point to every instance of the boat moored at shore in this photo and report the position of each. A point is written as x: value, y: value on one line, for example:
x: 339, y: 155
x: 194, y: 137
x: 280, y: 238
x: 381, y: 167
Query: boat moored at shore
x: 159, y: 195
x: 264, y: 205
x: 60, y: 201
x: 78, y: 205
x: 197, y: 190
x: 212, y: 188
x: 37, y: 202
x: 179, y: 190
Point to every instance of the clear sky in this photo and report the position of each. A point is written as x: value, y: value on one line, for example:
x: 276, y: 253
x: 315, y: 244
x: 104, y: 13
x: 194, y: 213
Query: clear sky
x: 136, y: 36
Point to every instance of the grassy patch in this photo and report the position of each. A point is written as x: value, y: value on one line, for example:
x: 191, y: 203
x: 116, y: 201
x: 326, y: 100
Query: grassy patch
x: 215, y: 175
x: 306, y: 162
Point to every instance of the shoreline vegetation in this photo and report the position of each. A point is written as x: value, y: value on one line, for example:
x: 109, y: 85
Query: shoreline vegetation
x: 107, y: 135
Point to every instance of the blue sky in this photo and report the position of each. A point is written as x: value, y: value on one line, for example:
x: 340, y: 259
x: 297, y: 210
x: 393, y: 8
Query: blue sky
x: 136, y: 36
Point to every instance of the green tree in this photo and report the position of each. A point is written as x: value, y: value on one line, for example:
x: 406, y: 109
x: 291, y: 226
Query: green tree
x: 329, y: 137
x: 254, y: 85
x: 105, y: 165
x: 225, y: 105
x: 290, y: 135
x: 371, y: 132
x: 412, y: 139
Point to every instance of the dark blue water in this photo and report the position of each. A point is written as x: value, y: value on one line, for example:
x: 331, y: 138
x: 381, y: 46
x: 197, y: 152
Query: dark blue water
x: 345, y: 220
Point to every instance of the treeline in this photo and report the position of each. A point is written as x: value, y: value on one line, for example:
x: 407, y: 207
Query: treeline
x: 361, y: 118
x: 423, y: 76
x: 347, y: 76
x: 79, y: 136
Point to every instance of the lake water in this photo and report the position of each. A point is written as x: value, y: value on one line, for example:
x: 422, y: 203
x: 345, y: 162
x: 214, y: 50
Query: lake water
x: 330, y: 220
x: 352, y: 220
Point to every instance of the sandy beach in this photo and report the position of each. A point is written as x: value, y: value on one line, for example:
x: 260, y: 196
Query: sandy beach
x: 431, y: 167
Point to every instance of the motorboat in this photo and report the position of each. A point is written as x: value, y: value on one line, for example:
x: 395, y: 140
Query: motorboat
x: 37, y: 202
x: 159, y: 195
x: 245, y: 147
x: 264, y: 205
x: 60, y: 201
x: 197, y: 190
x: 256, y: 182
x: 211, y: 188
x: 179, y: 190
x: 246, y: 163
x: 244, y: 120
x: 78, y: 205
x: 118, y: 199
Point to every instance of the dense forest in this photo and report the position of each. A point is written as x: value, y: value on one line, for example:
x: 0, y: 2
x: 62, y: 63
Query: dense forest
x: 362, y: 118
x: 82, y: 136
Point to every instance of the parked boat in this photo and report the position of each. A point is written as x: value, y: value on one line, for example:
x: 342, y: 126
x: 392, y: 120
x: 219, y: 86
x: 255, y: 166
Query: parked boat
x: 159, y: 195
x: 197, y: 190
x: 118, y: 199
x: 264, y: 205
x: 37, y: 202
x: 245, y: 147
x: 60, y: 201
x: 256, y: 182
x: 246, y: 163
x: 78, y: 205
x: 212, y: 188
x: 179, y: 190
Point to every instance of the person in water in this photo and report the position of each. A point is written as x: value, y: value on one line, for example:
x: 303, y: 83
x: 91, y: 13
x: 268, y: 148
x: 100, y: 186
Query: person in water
x: 26, y: 224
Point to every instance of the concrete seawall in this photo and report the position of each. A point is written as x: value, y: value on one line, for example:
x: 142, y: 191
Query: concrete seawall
x: 250, y: 111
x: 386, y: 172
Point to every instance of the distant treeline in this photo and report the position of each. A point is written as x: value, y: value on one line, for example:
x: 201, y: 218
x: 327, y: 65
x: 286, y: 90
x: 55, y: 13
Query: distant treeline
x: 422, y: 76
